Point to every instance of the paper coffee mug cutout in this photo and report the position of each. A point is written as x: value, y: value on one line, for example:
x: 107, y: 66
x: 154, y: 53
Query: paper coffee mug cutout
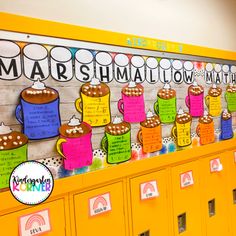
x: 230, y: 97
x: 132, y: 103
x: 35, y: 58
x: 117, y: 141
x: 205, y: 129
x: 182, y: 128
x: 13, y: 151
x: 226, y: 125
x: 195, y: 100
x: 165, y: 106
x: 213, y: 100
x: 149, y: 134
x: 10, y: 58
x: 94, y: 103
x: 75, y: 144
x: 38, y: 111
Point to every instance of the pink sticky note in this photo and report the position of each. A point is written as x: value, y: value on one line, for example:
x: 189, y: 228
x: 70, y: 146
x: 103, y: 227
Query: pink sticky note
x: 78, y: 152
x: 132, y: 107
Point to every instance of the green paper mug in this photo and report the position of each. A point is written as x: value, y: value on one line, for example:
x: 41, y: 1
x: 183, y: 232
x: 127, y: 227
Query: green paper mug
x: 231, y: 101
x: 117, y: 147
x: 166, y: 109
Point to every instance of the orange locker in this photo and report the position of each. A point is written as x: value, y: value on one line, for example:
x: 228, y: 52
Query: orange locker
x: 231, y: 157
x: 215, y: 207
x: 186, y: 199
x: 149, y: 206
x: 10, y: 222
x: 100, y: 211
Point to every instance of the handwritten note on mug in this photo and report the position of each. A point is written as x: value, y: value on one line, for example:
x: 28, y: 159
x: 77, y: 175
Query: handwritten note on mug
x: 96, y: 110
x: 9, y: 159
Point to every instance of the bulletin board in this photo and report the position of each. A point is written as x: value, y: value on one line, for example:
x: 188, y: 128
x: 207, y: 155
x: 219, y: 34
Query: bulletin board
x: 80, y: 106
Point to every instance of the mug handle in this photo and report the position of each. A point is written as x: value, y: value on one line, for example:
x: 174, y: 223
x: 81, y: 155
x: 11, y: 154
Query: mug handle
x: 121, y: 106
x: 18, y: 113
x: 198, y: 130
x: 58, y: 146
x: 174, y: 132
x: 226, y: 97
x: 156, y: 107
x: 104, y: 143
x: 207, y: 98
x: 187, y: 101
x: 78, y: 105
x: 140, y: 136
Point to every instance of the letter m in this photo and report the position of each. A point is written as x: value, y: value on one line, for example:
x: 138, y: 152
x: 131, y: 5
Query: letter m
x: 9, y: 72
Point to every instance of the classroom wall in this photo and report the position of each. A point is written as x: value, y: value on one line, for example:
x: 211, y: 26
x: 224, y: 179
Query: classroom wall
x: 208, y: 23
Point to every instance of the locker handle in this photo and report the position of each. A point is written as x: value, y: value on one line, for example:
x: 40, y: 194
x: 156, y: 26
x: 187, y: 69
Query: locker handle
x: 211, y: 208
x: 182, y: 223
x: 146, y: 233
x: 234, y: 196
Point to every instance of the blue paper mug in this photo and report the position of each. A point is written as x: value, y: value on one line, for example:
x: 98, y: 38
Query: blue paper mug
x: 39, y: 116
x: 226, y: 128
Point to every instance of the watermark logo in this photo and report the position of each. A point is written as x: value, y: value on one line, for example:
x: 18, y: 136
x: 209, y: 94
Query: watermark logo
x: 31, y: 183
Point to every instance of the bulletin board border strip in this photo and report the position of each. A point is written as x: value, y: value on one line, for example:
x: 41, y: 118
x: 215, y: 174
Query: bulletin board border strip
x: 33, y: 26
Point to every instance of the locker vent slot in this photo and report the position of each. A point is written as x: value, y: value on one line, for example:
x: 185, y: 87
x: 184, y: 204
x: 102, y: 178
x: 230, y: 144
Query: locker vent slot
x: 146, y: 233
x: 211, y: 207
x: 234, y: 196
x: 182, y: 223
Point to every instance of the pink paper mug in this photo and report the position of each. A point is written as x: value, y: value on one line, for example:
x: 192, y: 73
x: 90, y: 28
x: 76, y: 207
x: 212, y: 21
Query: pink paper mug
x: 132, y: 104
x: 195, y: 100
x: 75, y: 145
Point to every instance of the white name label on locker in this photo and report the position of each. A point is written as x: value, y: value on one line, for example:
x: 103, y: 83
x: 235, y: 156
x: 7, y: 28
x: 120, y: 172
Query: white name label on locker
x: 149, y: 190
x: 216, y: 165
x: 35, y: 223
x: 99, y: 204
x: 186, y: 179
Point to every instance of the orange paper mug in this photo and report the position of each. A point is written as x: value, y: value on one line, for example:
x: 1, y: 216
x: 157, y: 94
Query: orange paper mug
x: 150, y: 135
x: 205, y: 129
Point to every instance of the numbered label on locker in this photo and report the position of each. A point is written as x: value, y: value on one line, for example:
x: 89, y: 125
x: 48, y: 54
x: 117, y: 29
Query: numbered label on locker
x: 149, y: 190
x: 186, y: 179
x: 99, y: 204
x: 215, y: 165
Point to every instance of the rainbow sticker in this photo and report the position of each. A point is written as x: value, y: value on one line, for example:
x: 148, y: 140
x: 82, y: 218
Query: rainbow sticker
x: 149, y: 190
x: 186, y: 179
x: 99, y: 204
x: 35, y: 223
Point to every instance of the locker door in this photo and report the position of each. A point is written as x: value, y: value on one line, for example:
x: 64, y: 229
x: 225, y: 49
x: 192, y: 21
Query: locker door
x: 92, y: 219
x: 213, y: 180
x: 150, y: 210
x: 10, y: 222
x: 186, y: 200
x: 231, y: 157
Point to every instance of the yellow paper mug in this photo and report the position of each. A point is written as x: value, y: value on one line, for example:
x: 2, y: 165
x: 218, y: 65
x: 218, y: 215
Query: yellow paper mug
x: 213, y: 100
x: 214, y: 105
x: 94, y: 103
x: 182, y: 129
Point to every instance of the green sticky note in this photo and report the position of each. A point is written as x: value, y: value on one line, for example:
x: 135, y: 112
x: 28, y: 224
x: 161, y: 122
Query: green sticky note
x: 9, y: 159
x: 119, y: 148
x: 231, y: 101
x: 167, y: 110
